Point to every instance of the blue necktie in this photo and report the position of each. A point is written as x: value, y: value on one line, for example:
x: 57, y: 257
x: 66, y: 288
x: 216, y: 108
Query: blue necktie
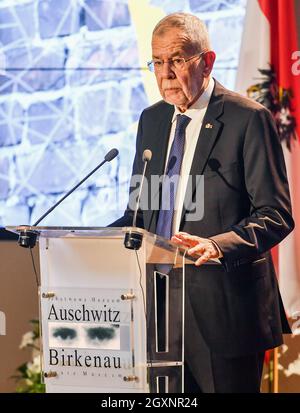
x: 168, y: 194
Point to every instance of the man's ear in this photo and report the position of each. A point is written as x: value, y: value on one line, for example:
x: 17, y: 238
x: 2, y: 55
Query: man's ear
x: 209, y: 60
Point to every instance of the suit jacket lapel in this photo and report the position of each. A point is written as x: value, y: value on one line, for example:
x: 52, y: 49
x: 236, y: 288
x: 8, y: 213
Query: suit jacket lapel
x: 209, y: 134
x: 159, y: 143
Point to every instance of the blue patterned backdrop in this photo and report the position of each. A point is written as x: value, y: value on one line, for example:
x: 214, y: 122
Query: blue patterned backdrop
x: 71, y: 88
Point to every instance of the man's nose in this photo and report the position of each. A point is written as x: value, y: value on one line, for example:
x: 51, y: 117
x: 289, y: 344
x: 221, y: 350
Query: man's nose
x: 167, y: 71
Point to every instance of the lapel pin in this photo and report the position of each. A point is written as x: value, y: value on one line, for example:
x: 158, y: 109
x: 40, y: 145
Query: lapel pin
x: 208, y: 126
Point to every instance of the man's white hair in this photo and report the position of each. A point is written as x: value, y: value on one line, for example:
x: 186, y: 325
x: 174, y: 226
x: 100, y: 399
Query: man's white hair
x: 194, y: 28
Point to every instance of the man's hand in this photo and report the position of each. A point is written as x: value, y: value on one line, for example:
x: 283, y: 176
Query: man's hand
x: 197, y: 246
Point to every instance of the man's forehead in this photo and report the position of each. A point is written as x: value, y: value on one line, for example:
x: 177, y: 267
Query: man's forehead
x: 172, y: 34
x: 170, y: 42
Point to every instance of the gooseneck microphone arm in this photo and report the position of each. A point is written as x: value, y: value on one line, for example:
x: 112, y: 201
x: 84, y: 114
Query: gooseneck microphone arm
x: 147, y: 155
x: 108, y: 157
x: 27, y: 238
x: 133, y: 240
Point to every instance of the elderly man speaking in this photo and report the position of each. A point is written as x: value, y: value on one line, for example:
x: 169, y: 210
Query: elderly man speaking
x: 233, y: 308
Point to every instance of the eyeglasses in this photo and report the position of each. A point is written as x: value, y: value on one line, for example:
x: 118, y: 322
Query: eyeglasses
x: 177, y: 63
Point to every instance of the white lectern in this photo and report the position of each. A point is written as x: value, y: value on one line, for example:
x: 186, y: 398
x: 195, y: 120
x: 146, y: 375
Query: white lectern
x: 112, y: 319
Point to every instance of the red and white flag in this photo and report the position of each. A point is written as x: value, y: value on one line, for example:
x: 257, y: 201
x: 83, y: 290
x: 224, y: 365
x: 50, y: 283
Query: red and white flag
x: 272, y: 37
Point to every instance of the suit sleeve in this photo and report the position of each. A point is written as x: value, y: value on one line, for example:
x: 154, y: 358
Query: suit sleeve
x: 137, y: 169
x: 270, y: 219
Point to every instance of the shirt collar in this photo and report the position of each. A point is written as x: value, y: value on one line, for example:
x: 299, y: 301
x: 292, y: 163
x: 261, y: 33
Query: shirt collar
x: 201, y: 102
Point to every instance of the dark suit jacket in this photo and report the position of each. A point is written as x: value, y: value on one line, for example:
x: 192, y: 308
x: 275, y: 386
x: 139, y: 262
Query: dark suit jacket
x: 236, y: 307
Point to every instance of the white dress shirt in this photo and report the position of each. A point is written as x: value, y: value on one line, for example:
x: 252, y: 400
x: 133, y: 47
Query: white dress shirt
x: 196, y: 112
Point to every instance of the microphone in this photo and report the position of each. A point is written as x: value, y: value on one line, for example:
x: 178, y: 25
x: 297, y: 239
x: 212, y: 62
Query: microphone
x: 147, y: 155
x: 109, y: 157
x: 133, y: 240
x: 27, y: 238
